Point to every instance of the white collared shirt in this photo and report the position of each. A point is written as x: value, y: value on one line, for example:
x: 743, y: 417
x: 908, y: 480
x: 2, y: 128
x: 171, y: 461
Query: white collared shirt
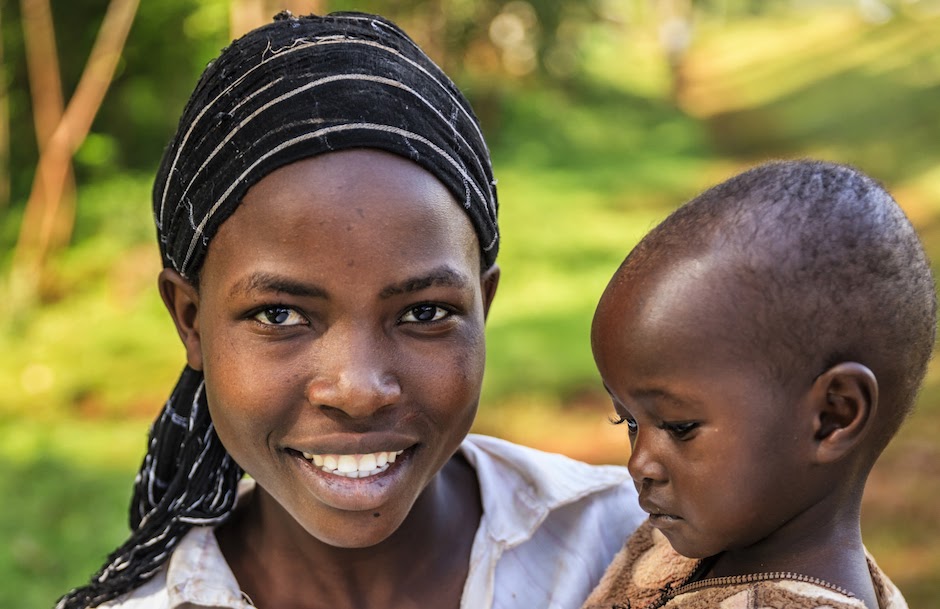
x: 550, y: 527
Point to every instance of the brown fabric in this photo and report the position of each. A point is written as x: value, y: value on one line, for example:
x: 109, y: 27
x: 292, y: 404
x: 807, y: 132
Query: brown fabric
x: 647, y: 573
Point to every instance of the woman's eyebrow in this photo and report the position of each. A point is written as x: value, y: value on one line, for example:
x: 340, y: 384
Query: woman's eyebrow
x: 442, y: 276
x: 271, y: 282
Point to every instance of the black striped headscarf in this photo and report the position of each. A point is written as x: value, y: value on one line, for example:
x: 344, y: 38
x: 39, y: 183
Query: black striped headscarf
x: 293, y: 89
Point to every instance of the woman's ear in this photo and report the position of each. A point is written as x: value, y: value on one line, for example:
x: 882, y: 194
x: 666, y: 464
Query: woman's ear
x: 845, y: 399
x: 488, y: 282
x: 182, y: 301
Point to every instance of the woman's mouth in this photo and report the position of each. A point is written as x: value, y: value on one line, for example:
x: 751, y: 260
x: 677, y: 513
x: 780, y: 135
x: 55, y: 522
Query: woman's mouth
x: 357, y: 481
x: 354, y: 466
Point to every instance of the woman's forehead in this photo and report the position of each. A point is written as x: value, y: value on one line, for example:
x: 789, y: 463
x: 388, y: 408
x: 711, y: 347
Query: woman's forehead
x: 338, y: 214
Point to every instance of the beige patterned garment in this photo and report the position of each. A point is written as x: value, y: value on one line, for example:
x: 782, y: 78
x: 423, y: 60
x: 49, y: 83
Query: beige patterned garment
x: 649, y: 574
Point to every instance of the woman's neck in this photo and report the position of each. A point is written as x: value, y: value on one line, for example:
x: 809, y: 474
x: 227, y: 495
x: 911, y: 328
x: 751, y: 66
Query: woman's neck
x: 423, y: 563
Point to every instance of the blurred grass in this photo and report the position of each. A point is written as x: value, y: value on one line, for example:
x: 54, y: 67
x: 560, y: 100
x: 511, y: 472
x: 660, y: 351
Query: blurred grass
x: 585, y: 169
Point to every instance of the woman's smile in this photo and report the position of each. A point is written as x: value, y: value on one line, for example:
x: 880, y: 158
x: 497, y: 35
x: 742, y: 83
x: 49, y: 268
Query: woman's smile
x: 354, y: 489
x: 354, y: 471
x: 356, y: 465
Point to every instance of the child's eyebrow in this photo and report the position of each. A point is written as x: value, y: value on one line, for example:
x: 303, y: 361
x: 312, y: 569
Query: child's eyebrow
x: 443, y: 276
x: 271, y: 282
x: 655, y: 394
x: 661, y: 395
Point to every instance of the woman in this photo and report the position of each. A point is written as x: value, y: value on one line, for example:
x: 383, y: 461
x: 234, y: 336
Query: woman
x: 327, y: 221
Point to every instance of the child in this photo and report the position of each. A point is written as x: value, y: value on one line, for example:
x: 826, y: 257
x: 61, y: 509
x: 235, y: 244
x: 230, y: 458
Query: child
x: 327, y: 219
x: 762, y: 345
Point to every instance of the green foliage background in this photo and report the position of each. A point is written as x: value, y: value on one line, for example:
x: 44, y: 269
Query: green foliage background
x: 590, y: 149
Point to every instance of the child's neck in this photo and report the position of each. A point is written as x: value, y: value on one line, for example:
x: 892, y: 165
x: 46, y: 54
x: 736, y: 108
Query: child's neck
x: 832, y: 552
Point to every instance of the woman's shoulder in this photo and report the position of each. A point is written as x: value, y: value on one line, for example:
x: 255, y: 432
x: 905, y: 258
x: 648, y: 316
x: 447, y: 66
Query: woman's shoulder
x: 150, y: 595
x: 550, y: 524
x: 549, y: 478
x: 523, y: 489
x: 196, y: 575
x: 536, y: 462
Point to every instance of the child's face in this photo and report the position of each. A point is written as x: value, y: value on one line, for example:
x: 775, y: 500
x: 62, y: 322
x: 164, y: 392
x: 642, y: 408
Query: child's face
x: 718, y: 453
x: 340, y: 315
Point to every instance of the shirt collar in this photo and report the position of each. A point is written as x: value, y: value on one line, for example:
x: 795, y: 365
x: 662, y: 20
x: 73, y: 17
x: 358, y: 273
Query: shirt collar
x: 198, y: 574
x: 520, y: 486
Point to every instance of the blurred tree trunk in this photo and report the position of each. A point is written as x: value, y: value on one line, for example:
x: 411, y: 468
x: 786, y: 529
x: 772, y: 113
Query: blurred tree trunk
x: 45, y: 87
x: 245, y: 15
x: 4, y: 131
x: 675, y: 36
x: 45, y: 220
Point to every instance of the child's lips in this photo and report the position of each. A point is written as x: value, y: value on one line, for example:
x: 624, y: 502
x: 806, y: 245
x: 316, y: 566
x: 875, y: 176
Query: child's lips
x: 656, y: 512
x: 663, y: 520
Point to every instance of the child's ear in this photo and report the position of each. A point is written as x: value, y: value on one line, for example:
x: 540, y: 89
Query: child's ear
x: 845, y: 398
x: 488, y: 282
x: 182, y: 301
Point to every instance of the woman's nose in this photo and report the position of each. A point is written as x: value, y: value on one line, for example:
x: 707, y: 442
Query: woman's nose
x: 355, y: 373
x: 644, y: 465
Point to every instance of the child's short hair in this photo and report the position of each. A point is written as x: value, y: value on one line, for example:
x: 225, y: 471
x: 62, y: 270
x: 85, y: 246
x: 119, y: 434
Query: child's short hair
x: 830, y: 270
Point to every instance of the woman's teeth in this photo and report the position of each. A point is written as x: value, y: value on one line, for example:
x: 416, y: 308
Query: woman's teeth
x: 354, y: 466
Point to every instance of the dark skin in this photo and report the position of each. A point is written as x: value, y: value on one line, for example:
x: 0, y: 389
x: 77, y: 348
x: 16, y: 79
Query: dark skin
x: 340, y: 315
x: 268, y: 568
x: 727, y: 460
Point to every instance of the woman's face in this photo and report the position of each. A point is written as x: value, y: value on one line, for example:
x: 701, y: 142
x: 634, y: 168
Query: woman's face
x: 339, y: 324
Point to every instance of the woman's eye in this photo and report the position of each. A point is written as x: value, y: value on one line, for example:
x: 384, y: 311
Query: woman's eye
x: 680, y: 430
x: 424, y: 313
x: 279, y: 316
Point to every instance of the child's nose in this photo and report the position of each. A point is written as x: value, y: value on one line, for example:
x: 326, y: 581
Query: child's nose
x: 355, y: 373
x: 644, y: 465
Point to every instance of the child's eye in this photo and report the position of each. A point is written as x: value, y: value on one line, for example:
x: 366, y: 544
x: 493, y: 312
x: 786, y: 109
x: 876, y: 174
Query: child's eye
x: 424, y: 313
x: 631, y: 423
x: 279, y: 316
x: 680, y: 430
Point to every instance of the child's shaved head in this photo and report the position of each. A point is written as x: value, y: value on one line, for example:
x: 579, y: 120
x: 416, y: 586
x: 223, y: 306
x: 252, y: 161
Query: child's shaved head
x: 826, y: 268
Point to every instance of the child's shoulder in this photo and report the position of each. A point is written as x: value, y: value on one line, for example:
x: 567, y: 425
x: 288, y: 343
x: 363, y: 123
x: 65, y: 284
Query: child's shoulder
x: 647, y: 570
x: 774, y: 590
x: 789, y: 593
x: 644, y: 567
x: 889, y: 597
